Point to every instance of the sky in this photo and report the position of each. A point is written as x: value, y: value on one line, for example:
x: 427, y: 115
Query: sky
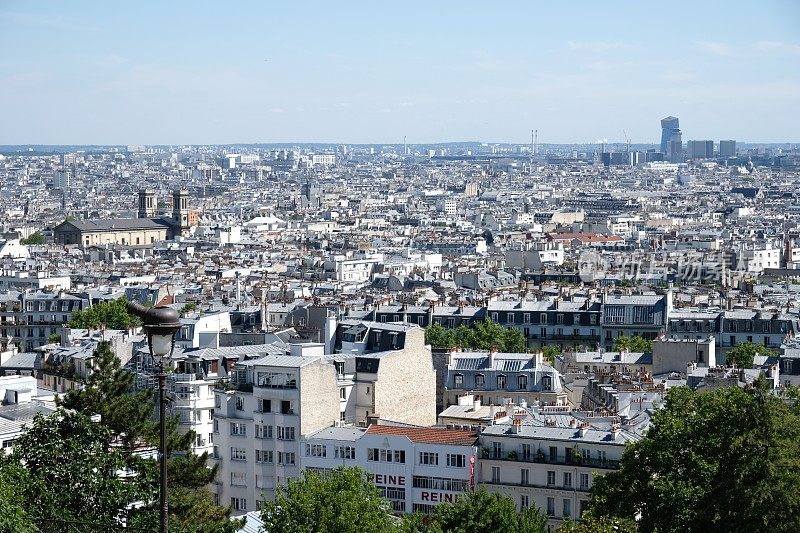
x: 197, y: 72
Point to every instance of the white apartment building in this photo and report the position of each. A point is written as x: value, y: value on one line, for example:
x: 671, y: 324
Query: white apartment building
x: 415, y: 468
x: 258, y: 423
x: 548, y: 465
x: 192, y: 396
x: 277, y: 400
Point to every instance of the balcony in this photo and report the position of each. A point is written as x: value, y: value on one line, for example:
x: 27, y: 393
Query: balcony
x: 487, y: 453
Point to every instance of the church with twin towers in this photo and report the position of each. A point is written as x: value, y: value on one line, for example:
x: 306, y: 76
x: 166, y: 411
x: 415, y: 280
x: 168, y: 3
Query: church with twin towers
x: 150, y: 226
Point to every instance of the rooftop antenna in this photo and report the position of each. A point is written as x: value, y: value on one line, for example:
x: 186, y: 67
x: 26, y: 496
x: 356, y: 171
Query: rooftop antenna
x: 627, y: 140
x: 533, y: 149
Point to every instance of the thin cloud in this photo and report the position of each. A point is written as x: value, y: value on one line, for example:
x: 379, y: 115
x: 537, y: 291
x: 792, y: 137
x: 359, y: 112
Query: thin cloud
x: 716, y: 48
x: 778, y: 46
x: 597, y: 46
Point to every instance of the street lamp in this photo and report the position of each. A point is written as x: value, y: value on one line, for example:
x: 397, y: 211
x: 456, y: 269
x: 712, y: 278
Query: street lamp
x: 160, y: 324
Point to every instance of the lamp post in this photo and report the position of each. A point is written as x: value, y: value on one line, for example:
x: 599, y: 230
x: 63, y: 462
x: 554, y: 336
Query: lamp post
x: 160, y: 325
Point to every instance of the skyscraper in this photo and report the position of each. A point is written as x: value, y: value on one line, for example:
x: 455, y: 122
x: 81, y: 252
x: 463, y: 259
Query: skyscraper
x: 671, y: 143
x: 669, y: 129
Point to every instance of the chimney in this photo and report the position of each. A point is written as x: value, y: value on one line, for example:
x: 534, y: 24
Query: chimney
x: 583, y: 429
x: 516, y: 424
x: 492, y: 353
x: 476, y: 404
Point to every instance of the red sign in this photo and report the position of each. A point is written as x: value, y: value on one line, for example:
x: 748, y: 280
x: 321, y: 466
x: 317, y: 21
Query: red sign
x: 383, y: 479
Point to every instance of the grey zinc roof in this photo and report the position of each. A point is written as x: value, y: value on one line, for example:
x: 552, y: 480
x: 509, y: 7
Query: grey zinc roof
x: 21, y: 360
x: 116, y: 223
x: 287, y: 361
x: 564, y: 434
x: 335, y: 433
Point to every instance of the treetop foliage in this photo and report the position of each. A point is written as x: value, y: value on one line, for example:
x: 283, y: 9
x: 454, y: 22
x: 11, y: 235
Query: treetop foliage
x: 743, y: 354
x: 483, y: 335
x: 723, y: 460
x: 109, y: 315
x: 633, y: 344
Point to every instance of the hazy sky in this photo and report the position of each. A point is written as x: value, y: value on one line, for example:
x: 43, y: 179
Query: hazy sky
x: 170, y: 72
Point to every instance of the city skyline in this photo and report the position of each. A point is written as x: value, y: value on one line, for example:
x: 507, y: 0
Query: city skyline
x: 147, y: 74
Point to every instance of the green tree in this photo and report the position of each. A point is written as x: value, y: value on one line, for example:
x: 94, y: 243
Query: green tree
x: 482, y: 335
x: 188, y: 307
x: 109, y: 314
x: 723, y: 460
x: 54, y: 338
x: 34, y: 238
x: 593, y: 524
x: 479, y: 511
x: 66, y: 472
x: 343, y: 500
x: 129, y: 417
x: 633, y: 344
x: 550, y: 352
x: 743, y: 354
x: 14, y: 510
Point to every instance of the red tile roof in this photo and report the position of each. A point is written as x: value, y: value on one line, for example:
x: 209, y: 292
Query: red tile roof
x: 457, y: 437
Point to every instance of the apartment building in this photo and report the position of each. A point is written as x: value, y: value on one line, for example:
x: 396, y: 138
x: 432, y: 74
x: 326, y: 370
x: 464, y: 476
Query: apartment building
x: 415, y: 468
x: 275, y: 401
x: 492, y: 377
x: 260, y: 418
x: 548, y: 465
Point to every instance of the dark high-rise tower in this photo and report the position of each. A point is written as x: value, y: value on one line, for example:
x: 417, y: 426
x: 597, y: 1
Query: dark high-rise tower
x: 669, y: 130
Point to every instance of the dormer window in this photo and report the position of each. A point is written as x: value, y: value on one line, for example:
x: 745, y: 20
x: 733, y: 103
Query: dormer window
x: 501, y: 381
x: 480, y: 380
x: 522, y: 382
x: 458, y: 381
x: 547, y: 383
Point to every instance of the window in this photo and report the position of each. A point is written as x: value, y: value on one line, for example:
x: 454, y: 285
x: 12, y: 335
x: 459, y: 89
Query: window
x: 524, y: 502
x: 456, y: 460
x: 614, y: 314
x: 522, y: 382
x: 238, y: 429
x: 216, y: 426
x: 344, y: 452
x: 497, y: 450
x: 551, y: 478
x: 458, y: 381
x: 266, y: 406
x: 387, y: 456
x: 593, y: 319
x: 238, y: 454
x: 642, y: 314
x: 524, y: 476
x: 495, y: 474
x: 264, y: 456
x: 601, y: 455
x: 428, y: 458
x: 286, y: 407
x: 316, y: 450
x: 543, y: 318
x: 576, y: 319
x: 494, y: 317
x: 551, y: 506
x: 342, y: 393
x: 263, y: 432
x: 526, y: 452
x: 501, y: 381
x: 509, y: 318
x: 584, y: 481
x: 286, y: 458
x: 238, y: 478
x: 240, y: 403
x: 526, y: 318
x: 567, y: 480
x: 560, y: 318
x: 480, y: 380
x: 547, y: 382
x: 239, y: 504
x: 285, y: 432
x: 567, y: 508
